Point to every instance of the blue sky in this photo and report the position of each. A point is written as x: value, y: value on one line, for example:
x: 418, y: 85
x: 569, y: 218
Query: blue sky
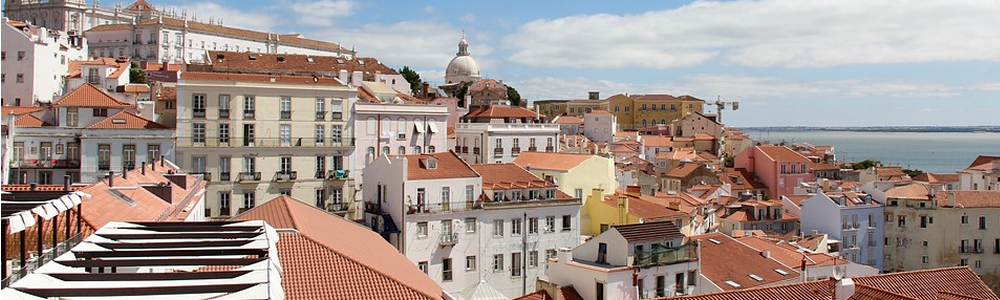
x: 788, y: 62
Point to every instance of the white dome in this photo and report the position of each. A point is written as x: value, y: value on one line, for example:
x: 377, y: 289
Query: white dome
x: 462, y: 68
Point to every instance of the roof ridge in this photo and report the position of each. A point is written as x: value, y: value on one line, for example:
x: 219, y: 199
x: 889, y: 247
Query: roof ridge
x: 288, y: 211
x: 888, y: 292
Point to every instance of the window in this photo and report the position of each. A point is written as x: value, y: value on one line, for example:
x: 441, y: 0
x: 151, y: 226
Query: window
x: 321, y: 198
x: 901, y: 220
x: 285, y: 134
x: 446, y: 269
x: 224, y: 203
x: 72, y: 116
x: 337, y: 196
x: 550, y: 224
x: 421, y: 229
x: 198, y: 133
x: 567, y: 222
x: 417, y: 150
x: 498, y: 228
x: 320, y: 108
x: 498, y: 263
x: 515, y: 226
x: 198, y: 105
x: 100, y: 112
x: 470, y: 225
x: 336, y: 109
x: 423, y: 266
x: 104, y: 157
x: 223, y: 133
x: 533, y: 225
x: 335, y: 134
x: 982, y: 222
x: 923, y: 221
x: 224, y: 106
x: 599, y: 290
x: 470, y: 263
x: 128, y: 157
x: 469, y: 193
x: 602, y: 253
x: 285, y: 107
x: 20, y: 55
x: 533, y: 258
x: 320, y: 166
x: 515, y: 264
x: 248, y: 199
x: 285, y: 164
x: 224, y: 167
x: 248, y: 135
x: 550, y: 253
x: 249, y: 105
x: 661, y: 286
x: 965, y: 219
x: 445, y: 193
x: 152, y: 151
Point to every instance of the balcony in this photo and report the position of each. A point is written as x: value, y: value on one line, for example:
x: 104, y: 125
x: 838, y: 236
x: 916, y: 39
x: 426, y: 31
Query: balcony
x: 236, y: 142
x: 465, y: 149
x: 475, y: 150
x: 96, y: 80
x: 224, y: 211
x: 248, y: 177
x: 515, y: 151
x: 199, y: 112
x: 661, y: 256
x: 248, y: 114
x: 337, y: 206
x: 53, y: 163
x: 320, y: 115
x: 224, y: 113
x: 224, y: 176
x: 532, y: 149
x: 285, y: 176
x: 286, y: 115
x: 497, y: 152
x: 458, y: 149
x: 550, y: 149
x: 448, y: 239
x: 337, y: 174
x: 104, y: 166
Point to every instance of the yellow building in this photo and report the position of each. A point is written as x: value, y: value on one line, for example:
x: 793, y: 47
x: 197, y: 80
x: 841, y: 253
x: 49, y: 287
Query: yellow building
x: 641, y: 111
x: 576, y: 174
x: 582, y: 106
x: 629, y: 207
x: 551, y: 108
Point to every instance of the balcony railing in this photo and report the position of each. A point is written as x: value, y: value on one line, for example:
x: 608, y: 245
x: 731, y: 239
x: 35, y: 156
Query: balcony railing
x: 248, y: 114
x: 248, y: 177
x: 514, y: 151
x: 54, y: 163
x: 337, y: 206
x: 104, y: 166
x: 224, y: 113
x: 284, y: 176
x: 320, y: 115
x: 199, y: 112
x: 224, y: 211
x: 497, y: 151
x: 215, y: 141
x: 465, y: 149
x: 337, y: 174
x: 286, y: 114
x: 448, y: 239
x: 17, y: 271
x: 224, y: 176
x: 532, y: 149
x: 549, y: 149
x: 475, y: 150
x: 662, y: 255
x: 458, y: 149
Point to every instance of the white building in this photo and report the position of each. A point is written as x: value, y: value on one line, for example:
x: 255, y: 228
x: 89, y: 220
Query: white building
x: 84, y: 135
x: 396, y: 129
x: 851, y: 217
x: 635, y: 261
x: 463, y: 228
x: 35, y: 61
x: 106, y: 73
x: 982, y: 175
x: 498, y: 134
x: 600, y: 126
x: 73, y: 15
x: 178, y: 40
x: 258, y: 136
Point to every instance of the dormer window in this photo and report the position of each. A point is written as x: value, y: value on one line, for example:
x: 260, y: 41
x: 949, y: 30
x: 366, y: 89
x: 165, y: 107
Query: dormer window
x: 431, y: 163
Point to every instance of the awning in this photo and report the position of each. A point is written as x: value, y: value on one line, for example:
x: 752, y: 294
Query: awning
x: 432, y: 126
x: 418, y: 125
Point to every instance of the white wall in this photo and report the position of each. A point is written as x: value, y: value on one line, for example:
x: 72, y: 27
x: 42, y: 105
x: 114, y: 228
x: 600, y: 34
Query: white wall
x: 43, y: 52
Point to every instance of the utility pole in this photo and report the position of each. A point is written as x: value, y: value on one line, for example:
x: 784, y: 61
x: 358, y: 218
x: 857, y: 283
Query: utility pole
x: 524, y: 255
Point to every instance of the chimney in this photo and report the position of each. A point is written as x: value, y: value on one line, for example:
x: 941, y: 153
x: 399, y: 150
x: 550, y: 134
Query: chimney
x: 844, y: 289
x: 111, y: 178
x: 342, y: 75
x: 424, y: 88
x: 66, y: 182
x: 357, y: 77
x: 33, y: 186
x: 633, y: 190
x: 815, y: 232
x: 951, y: 199
x: 162, y: 164
x: 594, y: 95
x: 143, y: 169
x: 178, y: 179
x: 124, y: 173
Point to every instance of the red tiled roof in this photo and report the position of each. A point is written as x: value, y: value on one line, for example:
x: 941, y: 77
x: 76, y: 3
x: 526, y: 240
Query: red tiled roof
x: 658, y: 141
x: 568, y: 120
x: 936, y: 178
x: 75, y: 70
x: 136, y: 88
x: 645, y: 207
x: 782, y: 154
x: 953, y: 296
x: 550, y: 161
x: 329, y: 257
x: 717, y: 263
x: 129, y: 201
x: 649, y: 231
x: 20, y: 110
x: 811, y: 290
x: 286, y: 79
x: 910, y: 191
x: 788, y: 254
x: 140, y: 5
x: 869, y: 293
x: 983, y: 162
x: 294, y: 63
x: 740, y: 179
x: 926, y: 284
x: 502, y: 112
x: 126, y: 120
x: 484, y: 84
x: 89, y: 95
x: 449, y: 165
x: 30, y: 121
x: 683, y: 170
x: 508, y: 176
x: 287, y: 39
x: 165, y: 93
x: 40, y: 187
x: 970, y: 199
x: 565, y: 293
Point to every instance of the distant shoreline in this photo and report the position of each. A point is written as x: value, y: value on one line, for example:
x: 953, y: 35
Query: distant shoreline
x: 916, y: 129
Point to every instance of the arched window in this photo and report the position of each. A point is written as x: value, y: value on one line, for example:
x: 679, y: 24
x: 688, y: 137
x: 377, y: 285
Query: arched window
x: 385, y: 150
x: 417, y: 149
x: 430, y: 149
x: 644, y: 124
x: 402, y: 150
x: 370, y: 126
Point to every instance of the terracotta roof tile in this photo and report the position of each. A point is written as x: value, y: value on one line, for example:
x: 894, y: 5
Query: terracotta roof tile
x: 449, y: 165
x: 89, y: 95
x: 293, y: 64
x: 287, y: 79
x: 740, y: 179
x: 936, y: 178
x: 136, y: 88
x: 869, y: 293
x: 128, y: 200
x: 508, y: 176
x: 683, y: 170
x: 550, y: 161
x: 953, y: 296
x: 914, y: 191
x: 126, y: 120
x: 783, y: 154
x: 30, y: 121
x: 568, y: 120
x: 983, y: 162
x: 20, y: 110
x: 288, y: 39
x: 926, y: 284
x: 649, y: 231
x: 40, y: 187
x: 75, y: 69
x: 646, y: 207
x: 658, y: 141
x: 501, y: 112
x: 140, y: 5
x: 811, y: 290
x: 970, y: 199
x: 351, y: 261
x: 165, y: 93
x: 717, y: 263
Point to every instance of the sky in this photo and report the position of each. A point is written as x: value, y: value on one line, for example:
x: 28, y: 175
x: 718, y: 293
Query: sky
x: 787, y: 62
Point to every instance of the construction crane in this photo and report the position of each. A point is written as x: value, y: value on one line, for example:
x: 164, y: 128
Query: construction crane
x: 721, y: 105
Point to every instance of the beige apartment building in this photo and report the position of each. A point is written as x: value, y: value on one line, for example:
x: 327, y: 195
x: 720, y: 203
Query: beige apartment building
x: 259, y: 136
x: 927, y: 229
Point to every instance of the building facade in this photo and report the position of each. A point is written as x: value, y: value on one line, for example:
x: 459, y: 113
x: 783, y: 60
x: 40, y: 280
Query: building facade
x: 396, y: 129
x: 779, y: 168
x: 298, y: 143
x: 642, y: 111
x: 35, y: 62
x: 853, y: 218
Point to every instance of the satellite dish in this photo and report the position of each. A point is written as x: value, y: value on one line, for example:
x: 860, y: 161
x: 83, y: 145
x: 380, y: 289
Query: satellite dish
x: 839, y: 272
x: 507, y: 102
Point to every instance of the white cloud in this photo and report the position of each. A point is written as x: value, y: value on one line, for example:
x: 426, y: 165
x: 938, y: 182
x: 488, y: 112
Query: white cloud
x: 322, y: 13
x: 429, y: 9
x: 418, y: 44
x: 766, y: 33
x: 987, y: 86
x: 468, y: 18
x: 263, y: 19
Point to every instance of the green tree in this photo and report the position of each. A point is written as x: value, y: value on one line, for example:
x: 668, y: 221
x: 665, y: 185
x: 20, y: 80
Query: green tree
x: 462, y: 91
x: 729, y: 162
x: 864, y: 164
x: 913, y: 172
x: 413, y: 78
x: 513, y: 96
x: 136, y: 74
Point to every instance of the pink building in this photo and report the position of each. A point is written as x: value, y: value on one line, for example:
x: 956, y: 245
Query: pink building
x: 781, y: 169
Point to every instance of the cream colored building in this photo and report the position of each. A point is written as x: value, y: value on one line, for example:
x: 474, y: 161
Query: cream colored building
x: 576, y: 175
x: 257, y: 136
x: 952, y: 228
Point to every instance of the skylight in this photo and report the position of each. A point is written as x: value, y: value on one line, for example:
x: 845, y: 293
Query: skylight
x: 757, y: 278
x: 715, y: 241
x: 782, y: 272
x: 733, y: 283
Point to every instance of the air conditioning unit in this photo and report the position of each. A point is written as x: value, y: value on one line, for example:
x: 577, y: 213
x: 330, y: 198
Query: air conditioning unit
x: 401, y: 136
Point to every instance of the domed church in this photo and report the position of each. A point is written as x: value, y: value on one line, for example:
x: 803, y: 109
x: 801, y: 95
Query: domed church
x: 462, y: 68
